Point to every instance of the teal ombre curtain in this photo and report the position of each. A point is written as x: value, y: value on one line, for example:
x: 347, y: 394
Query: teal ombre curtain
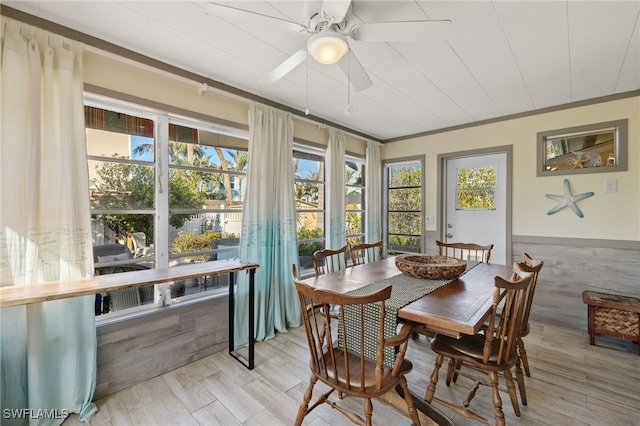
x: 337, y: 230
x: 373, y: 193
x: 47, y: 350
x: 268, y: 227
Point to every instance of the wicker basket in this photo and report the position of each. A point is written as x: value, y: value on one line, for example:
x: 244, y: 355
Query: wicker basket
x: 617, y: 321
x: 431, y: 267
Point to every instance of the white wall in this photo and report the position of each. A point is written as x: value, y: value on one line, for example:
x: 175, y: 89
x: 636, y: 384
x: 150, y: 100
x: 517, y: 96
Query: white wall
x: 610, y: 216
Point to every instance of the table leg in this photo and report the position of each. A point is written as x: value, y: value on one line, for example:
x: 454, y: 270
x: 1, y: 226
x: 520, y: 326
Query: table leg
x: 432, y: 412
x: 249, y: 363
x: 592, y: 324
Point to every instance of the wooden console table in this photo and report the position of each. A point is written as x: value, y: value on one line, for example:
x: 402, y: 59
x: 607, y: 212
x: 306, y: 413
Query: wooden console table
x: 56, y: 290
x: 613, y: 315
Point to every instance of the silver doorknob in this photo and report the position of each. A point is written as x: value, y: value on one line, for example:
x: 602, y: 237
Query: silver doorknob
x: 449, y: 235
x: 449, y: 225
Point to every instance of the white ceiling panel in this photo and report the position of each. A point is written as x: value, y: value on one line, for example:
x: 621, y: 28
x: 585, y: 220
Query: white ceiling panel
x: 499, y: 57
x: 629, y: 78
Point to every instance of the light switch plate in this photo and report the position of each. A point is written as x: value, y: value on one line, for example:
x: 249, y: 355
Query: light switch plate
x: 611, y: 185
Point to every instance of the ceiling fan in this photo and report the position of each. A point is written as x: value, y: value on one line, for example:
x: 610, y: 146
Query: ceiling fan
x: 329, y: 29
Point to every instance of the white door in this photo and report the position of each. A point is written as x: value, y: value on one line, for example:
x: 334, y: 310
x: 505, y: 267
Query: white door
x: 475, y: 200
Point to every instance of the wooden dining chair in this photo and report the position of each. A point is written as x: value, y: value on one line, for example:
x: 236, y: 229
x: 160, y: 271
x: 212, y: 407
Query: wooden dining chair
x: 465, y: 251
x: 359, y: 371
x: 532, y: 266
x: 326, y: 261
x: 491, y: 352
x: 366, y: 252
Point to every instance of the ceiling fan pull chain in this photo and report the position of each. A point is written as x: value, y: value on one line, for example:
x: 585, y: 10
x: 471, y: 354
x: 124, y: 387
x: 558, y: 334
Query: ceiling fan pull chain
x: 349, y: 108
x: 306, y: 110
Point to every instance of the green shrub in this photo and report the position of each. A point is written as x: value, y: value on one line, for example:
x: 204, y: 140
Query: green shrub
x: 188, y: 242
x: 307, y: 249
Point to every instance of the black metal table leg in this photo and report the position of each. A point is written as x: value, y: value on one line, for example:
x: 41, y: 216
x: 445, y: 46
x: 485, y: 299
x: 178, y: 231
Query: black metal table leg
x: 232, y: 350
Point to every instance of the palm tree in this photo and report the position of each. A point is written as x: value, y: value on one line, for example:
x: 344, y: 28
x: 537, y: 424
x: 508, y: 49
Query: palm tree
x: 241, y: 159
x: 177, y: 151
x: 308, y: 191
x: 224, y: 165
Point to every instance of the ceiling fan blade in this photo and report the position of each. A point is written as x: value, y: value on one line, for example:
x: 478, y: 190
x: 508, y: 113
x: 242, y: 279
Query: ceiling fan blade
x: 407, y: 31
x: 335, y: 9
x: 289, y: 64
x: 240, y: 15
x: 353, y: 69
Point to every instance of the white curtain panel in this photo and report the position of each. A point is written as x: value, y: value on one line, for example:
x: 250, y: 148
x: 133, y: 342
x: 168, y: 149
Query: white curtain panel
x: 373, y: 193
x: 336, y: 235
x: 268, y: 227
x: 48, y: 350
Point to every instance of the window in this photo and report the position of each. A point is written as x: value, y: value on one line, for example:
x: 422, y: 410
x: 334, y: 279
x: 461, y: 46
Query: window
x: 403, y: 206
x: 355, y: 208
x: 476, y: 188
x: 121, y: 185
x: 309, y: 193
x: 122, y: 197
x: 206, y: 184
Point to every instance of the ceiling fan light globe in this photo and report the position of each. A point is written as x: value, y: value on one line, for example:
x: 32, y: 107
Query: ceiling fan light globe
x: 327, y: 47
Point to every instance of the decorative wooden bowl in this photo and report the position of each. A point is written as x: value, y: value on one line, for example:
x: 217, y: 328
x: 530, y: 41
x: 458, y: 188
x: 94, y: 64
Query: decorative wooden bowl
x: 430, y: 267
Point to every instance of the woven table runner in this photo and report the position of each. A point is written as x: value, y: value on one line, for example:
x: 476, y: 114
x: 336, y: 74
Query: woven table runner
x: 404, y: 290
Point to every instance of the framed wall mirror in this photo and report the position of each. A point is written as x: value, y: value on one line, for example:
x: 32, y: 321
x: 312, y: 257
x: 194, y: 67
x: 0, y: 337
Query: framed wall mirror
x: 593, y: 148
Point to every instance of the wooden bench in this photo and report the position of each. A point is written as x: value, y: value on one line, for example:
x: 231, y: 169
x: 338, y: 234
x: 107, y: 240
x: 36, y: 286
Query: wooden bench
x: 613, y: 315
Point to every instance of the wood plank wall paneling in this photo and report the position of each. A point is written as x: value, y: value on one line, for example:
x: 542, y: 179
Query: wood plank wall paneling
x: 164, y: 341
x: 570, y: 267
x: 569, y: 270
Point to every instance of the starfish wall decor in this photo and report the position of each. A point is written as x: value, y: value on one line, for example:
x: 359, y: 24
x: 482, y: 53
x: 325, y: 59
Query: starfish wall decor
x: 568, y: 200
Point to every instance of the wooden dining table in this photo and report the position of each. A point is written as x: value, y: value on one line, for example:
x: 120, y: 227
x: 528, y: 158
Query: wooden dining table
x: 455, y: 308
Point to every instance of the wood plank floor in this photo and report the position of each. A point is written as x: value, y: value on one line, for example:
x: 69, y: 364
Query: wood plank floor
x: 572, y: 383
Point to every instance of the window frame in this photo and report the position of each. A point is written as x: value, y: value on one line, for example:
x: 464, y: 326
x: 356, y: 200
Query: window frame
x: 386, y: 164
x: 161, y: 165
x: 320, y: 152
x: 362, y: 187
x: 207, y: 127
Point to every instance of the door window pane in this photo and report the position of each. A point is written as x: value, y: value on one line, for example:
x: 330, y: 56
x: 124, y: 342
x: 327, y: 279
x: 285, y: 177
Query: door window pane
x: 476, y: 188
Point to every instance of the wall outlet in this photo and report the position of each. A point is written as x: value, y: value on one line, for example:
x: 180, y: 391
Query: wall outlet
x: 429, y: 220
x: 611, y: 185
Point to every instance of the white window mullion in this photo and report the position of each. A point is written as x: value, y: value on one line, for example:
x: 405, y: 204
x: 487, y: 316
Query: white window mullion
x: 162, y: 204
x: 162, y: 192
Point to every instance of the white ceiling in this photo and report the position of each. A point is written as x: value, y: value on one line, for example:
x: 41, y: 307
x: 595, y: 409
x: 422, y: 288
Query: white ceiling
x: 500, y: 57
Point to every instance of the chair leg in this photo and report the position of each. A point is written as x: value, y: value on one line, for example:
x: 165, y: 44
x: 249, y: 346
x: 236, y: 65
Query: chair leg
x: 522, y: 354
x: 497, y: 401
x: 454, y: 378
x: 451, y: 369
x: 431, y: 389
x: 410, y: 404
x: 512, y: 392
x: 368, y: 411
x: 304, y: 407
x: 520, y: 381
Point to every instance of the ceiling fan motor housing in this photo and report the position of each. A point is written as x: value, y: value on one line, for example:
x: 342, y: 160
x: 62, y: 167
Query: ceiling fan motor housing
x: 317, y: 22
